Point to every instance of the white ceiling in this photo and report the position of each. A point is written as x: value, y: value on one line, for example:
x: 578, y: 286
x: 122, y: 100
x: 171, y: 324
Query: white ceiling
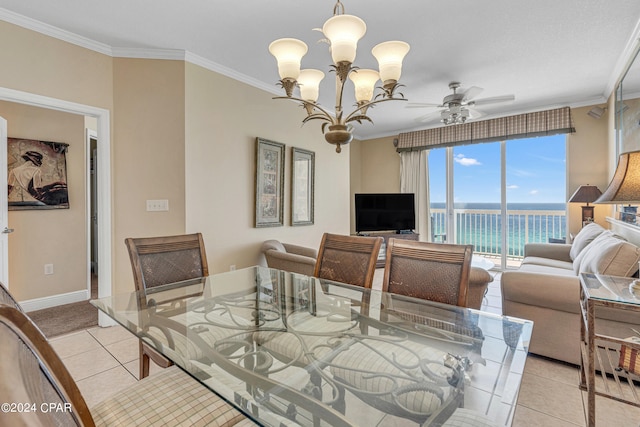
x: 548, y: 53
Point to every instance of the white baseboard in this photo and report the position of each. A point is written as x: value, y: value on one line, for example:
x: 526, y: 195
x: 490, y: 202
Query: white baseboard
x: 54, y: 300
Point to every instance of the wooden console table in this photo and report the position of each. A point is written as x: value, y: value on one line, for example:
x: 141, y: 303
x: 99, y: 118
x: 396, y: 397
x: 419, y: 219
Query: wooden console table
x: 601, y: 353
x: 382, y: 256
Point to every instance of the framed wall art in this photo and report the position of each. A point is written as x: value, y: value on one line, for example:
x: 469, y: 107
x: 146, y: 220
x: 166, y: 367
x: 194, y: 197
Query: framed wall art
x: 269, y: 183
x: 302, y: 186
x: 37, y: 174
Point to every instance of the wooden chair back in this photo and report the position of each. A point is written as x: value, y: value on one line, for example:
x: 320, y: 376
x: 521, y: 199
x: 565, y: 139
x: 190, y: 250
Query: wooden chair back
x: 431, y: 271
x: 7, y: 299
x: 348, y: 259
x: 158, y: 261
x: 32, y: 373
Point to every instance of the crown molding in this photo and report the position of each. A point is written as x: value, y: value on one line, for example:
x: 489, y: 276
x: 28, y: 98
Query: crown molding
x: 55, y: 32
x: 138, y: 53
x: 624, y: 60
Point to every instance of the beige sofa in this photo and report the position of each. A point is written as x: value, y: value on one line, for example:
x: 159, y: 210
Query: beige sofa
x: 546, y: 289
x: 288, y: 257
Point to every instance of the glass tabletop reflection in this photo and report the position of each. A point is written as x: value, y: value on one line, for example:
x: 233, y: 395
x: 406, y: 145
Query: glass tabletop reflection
x: 289, y: 349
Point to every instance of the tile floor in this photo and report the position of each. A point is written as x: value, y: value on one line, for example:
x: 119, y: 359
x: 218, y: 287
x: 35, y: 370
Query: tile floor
x: 105, y: 360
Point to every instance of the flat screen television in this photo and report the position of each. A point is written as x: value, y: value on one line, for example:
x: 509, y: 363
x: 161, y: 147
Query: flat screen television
x: 385, y: 212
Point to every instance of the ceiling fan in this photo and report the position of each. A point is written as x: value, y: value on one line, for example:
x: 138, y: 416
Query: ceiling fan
x: 459, y: 106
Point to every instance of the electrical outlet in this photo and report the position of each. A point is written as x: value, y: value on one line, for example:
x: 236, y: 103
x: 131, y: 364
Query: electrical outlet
x: 48, y: 269
x: 157, y: 205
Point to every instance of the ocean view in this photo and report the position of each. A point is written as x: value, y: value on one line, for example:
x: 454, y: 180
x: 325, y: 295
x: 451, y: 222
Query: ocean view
x: 480, y: 224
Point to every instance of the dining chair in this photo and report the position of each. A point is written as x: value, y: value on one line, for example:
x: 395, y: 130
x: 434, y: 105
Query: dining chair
x: 159, y: 261
x: 431, y: 271
x: 7, y: 299
x: 348, y: 259
x: 33, y: 375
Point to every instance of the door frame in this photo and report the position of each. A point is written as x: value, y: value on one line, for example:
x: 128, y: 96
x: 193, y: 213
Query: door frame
x: 104, y: 176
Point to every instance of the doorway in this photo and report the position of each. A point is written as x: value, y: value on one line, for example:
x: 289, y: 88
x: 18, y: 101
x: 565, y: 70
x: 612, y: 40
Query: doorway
x: 103, y: 168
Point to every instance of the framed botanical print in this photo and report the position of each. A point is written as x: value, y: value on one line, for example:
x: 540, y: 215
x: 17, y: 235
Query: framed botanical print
x: 269, y: 183
x: 302, y: 186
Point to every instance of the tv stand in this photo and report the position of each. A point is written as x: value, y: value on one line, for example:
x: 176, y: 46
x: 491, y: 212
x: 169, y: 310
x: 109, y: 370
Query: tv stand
x: 386, y: 235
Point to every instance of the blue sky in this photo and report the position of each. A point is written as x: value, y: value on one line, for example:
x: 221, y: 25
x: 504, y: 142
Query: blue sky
x: 536, y: 172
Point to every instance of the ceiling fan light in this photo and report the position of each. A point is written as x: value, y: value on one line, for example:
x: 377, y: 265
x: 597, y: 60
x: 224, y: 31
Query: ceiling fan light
x: 343, y: 32
x: 365, y: 82
x: 288, y: 53
x: 309, y: 81
x: 390, y: 55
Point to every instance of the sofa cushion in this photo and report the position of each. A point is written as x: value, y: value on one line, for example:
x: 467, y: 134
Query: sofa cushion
x: 578, y: 260
x: 534, y: 260
x: 611, y: 255
x: 588, y: 233
x: 546, y: 269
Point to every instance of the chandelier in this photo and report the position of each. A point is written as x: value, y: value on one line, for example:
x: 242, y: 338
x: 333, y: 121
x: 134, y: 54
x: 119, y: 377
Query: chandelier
x: 342, y: 32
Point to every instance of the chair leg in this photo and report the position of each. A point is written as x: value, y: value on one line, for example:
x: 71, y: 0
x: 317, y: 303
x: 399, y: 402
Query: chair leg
x: 144, y: 363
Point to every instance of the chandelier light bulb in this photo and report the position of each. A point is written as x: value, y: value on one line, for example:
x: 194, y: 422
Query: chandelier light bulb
x: 343, y: 32
x: 288, y: 53
x: 390, y: 55
x: 309, y: 81
x: 365, y: 83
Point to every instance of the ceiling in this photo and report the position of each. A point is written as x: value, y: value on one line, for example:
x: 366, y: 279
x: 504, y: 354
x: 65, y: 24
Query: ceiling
x: 548, y: 53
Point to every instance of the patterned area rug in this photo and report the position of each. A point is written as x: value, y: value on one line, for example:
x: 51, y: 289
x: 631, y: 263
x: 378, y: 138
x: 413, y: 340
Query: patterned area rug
x: 66, y: 318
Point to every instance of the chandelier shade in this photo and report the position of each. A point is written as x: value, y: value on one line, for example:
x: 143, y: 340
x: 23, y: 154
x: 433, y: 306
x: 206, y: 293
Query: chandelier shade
x: 390, y: 56
x: 625, y: 184
x: 309, y: 82
x: 288, y: 53
x: 365, y: 84
x: 342, y: 32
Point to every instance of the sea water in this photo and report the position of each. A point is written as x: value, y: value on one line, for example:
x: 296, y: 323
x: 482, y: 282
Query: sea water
x: 480, y: 224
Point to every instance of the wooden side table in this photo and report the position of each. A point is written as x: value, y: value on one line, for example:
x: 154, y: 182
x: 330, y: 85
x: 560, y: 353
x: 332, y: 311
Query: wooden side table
x: 605, y: 291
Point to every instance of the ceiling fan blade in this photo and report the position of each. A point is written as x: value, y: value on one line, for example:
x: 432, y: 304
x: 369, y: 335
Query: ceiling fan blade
x: 494, y: 100
x: 471, y: 93
x: 422, y: 105
x: 475, y: 114
x: 431, y: 117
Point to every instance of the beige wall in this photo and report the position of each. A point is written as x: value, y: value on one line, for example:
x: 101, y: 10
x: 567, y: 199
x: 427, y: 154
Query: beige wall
x: 223, y: 119
x: 56, y: 236
x: 375, y: 168
x: 148, y: 154
x: 587, y: 163
x: 182, y: 133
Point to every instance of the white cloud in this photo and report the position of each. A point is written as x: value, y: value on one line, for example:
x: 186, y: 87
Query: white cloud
x: 512, y: 187
x: 466, y: 161
x: 534, y: 192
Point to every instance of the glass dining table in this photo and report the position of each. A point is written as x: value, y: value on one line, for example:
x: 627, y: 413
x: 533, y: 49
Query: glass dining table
x: 288, y: 349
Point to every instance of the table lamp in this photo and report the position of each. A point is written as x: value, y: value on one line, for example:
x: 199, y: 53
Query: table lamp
x: 625, y: 184
x: 586, y: 194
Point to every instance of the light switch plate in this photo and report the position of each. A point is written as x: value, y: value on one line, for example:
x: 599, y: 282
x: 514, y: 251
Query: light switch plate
x: 157, y: 205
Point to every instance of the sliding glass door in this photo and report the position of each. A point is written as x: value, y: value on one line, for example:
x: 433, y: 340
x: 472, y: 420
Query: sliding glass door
x: 498, y: 196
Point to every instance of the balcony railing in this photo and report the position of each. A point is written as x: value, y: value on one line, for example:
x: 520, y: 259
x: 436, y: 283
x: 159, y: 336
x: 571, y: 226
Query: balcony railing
x: 483, y: 229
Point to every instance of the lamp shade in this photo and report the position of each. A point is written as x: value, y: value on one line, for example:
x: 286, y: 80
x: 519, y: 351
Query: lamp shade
x: 343, y: 32
x: 625, y: 184
x: 585, y: 194
x: 288, y: 53
x: 309, y: 81
x: 390, y: 56
x: 365, y: 83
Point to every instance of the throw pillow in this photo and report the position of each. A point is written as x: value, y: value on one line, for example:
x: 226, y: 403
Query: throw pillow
x: 583, y: 238
x: 612, y: 256
x: 593, y: 244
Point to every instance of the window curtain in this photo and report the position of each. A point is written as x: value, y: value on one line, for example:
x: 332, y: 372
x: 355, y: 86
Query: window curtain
x: 415, y: 179
x: 541, y: 123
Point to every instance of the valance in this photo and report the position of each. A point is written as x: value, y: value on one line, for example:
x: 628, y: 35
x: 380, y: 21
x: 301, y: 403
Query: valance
x: 541, y: 123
